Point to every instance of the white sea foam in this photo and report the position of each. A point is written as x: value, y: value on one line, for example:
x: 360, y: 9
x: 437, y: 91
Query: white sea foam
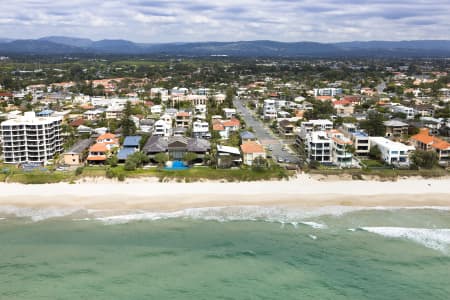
x: 37, y: 214
x: 314, y: 225
x: 293, y: 216
x: 312, y: 236
x: 438, y: 239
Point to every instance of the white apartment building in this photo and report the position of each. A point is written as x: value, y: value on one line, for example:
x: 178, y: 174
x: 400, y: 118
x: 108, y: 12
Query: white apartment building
x: 392, y: 153
x: 200, y: 129
x: 114, y: 112
x: 359, y: 138
x: 269, y: 109
x: 161, y: 128
x: 319, y: 147
x: 408, y: 111
x: 316, y: 125
x: 327, y: 92
x: 341, y: 149
x: 31, y: 139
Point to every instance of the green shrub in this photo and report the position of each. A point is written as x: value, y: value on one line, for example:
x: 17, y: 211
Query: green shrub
x: 79, y: 171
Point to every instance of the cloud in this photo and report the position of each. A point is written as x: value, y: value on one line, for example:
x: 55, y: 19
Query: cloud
x: 197, y: 20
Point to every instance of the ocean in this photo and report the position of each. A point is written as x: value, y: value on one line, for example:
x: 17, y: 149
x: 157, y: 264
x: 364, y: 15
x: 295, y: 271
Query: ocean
x: 225, y: 253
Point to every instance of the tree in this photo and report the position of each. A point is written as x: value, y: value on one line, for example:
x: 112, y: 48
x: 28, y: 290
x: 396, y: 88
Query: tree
x: 375, y: 152
x: 374, y: 124
x: 259, y: 164
x: 127, y: 125
x: 425, y: 159
x: 161, y: 159
x: 189, y: 157
x: 112, y: 161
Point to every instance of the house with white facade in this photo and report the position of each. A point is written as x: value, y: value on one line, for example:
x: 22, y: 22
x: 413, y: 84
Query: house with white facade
x: 319, y: 147
x: 392, y: 153
x: 269, y: 109
x: 200, y: 129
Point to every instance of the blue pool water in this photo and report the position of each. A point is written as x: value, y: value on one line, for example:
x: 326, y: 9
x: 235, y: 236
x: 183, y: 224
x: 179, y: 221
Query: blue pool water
x: 177, y: 165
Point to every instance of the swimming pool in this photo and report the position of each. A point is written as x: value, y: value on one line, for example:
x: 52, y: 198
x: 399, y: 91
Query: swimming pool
x: 176, y: 165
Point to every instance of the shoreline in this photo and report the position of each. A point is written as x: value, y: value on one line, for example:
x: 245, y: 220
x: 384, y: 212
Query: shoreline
x: 300, y: 192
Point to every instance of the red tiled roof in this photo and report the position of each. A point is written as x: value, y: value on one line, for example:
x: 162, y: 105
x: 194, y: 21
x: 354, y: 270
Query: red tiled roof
x: 96, y: 158
x: 77, y: 122
x: 98, y: 147
x: 106, y: 136
x: 424, y: 137
x: 218, y: 127
x: 252, y: 147
x: 231, y: 122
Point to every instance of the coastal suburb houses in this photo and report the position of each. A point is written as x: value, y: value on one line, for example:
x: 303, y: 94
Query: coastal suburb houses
x: 427, y: 142
x: 31, y: 139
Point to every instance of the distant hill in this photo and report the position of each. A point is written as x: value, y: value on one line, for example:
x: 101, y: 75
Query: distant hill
x: 57, y: 45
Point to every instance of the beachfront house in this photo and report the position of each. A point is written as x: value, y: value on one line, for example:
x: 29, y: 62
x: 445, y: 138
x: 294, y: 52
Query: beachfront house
x: 392, y: 153
x: 102, y: 149
x: 176, y: 147
x: 252, y: 150
x: 77, y: 154
x: 228, y: 156
x: 131, y: 144
x: 425, y: 141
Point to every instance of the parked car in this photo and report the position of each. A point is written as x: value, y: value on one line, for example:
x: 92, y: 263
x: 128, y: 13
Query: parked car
x: 280, y: 159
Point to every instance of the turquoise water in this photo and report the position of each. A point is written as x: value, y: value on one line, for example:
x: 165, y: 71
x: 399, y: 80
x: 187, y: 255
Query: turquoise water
x: 191, y: 255
x: 177, y: 165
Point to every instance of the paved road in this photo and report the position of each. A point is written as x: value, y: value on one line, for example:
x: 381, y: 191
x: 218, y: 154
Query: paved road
x: 263, y: 134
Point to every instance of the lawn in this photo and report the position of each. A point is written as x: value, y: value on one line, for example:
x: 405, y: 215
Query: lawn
x: 372, y: 163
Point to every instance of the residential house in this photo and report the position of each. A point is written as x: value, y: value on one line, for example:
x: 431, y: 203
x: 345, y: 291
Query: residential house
x: 131, y: 144
x: 77, y: 154
x: 177, y: 147
x: 252, y: 150
x: 161, y: 128
x: 200, y: 129
x: 114, y: 112
x: 229, y: 112
x: 183, y: 119
x: 225, y: 127
x: 286, y: 129
x: 392, y: 153
x: 228, y: 156
x: 407, y: 111
x: 247, y: 136
x: 425, y: 141
x: 395, y: 128
x: 269, y: 109
x: 102, y: 149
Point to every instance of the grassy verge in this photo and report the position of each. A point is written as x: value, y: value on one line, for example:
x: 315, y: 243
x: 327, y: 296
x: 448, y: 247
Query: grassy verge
x: 37, y: 177
x: 383, y: 173
x: 201, y: 173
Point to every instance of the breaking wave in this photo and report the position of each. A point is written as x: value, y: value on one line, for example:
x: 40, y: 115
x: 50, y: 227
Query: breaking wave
x: 437, y: 239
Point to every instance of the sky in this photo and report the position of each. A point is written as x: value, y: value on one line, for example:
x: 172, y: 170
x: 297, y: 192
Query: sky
x: 156, y: 21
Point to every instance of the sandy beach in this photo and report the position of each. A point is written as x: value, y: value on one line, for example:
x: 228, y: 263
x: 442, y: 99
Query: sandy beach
x: 302, y: 191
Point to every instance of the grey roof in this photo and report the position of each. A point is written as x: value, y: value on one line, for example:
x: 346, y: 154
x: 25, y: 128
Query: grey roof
x: 394, y: 123
x: 155, y: 144
x: 80, y: 146
x: 198, y: 145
